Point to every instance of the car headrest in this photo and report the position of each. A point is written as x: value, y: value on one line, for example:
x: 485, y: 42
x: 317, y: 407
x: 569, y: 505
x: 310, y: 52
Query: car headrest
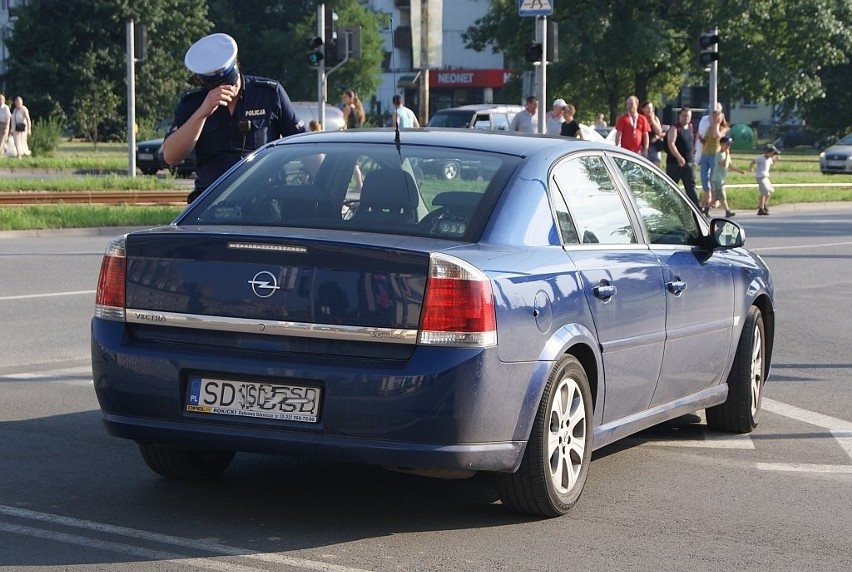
x: 389, y: 189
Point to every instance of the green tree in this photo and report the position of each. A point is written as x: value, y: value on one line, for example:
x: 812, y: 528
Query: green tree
x: 53, y: 39
x: 99, y: 106
x: 771, y: 50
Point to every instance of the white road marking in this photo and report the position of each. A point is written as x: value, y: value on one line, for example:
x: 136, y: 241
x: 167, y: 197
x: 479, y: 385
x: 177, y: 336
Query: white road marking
x: 840, y: 429
x: 59, y: 374
x: 49, y: 295
x: 805, y: 468
x: 800, y: 246
x: 215, y: 548
x: 711, y: 441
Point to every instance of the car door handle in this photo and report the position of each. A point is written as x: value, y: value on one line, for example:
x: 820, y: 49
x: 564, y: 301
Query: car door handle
x: 676, y: 286
x: 604, y: 291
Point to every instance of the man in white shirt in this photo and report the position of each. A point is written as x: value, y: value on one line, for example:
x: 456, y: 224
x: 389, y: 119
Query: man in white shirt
x: 5, y: 122
x: 703, y: 126
x: 526, y: 121
x: 555, y: 118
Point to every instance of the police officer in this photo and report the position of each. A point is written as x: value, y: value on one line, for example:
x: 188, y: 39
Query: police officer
x: 229, y: 116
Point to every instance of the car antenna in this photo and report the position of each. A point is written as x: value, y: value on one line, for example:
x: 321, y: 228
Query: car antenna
x: 398, y: 142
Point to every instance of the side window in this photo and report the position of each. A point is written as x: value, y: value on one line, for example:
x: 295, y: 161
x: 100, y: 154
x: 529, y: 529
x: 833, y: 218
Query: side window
x: 482, y: 121
x: 665, y: 212
x: 563, y: 217
x: 499, y: 122
x: 594, y: 201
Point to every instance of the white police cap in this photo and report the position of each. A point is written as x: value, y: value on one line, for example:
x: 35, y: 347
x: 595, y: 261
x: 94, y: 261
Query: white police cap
x: 212, y: 57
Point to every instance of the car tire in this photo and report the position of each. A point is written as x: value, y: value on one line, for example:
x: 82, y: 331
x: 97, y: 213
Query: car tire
x: 450, y: 170
x: 185, y: 464
x: 148, y: 171
x: 556, y: 461
x: 739, y: 412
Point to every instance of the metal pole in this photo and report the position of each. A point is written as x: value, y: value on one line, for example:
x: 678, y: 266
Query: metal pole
x: 131, y: 101
x: 424, y: 62
x: 541, y: 37
x: 714, y: 76
x: 322, y: 86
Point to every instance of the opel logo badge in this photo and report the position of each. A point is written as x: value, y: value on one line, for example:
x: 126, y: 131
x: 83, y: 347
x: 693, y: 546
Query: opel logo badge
x: 264, y: 284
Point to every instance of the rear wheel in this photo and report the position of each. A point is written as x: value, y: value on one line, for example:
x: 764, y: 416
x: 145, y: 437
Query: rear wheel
x: 185, y: 464
x: 148, y: 170
x: 556, y: 461
x: 739, y: 413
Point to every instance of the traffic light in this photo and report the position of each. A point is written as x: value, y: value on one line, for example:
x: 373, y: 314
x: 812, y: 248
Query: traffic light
x: 709, y: 49
x: 331, y: 43
x: 533, y: 52
x: 315, y: 51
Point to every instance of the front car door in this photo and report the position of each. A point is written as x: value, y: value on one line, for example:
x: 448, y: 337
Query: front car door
x: 621, y: 278
x: 699, y: 285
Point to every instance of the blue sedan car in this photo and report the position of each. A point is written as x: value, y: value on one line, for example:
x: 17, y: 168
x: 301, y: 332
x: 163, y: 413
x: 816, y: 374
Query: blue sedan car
x: 325, y: 299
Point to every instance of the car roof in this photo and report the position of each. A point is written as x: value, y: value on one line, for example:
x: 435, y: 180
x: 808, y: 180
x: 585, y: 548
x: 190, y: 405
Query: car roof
x: 483, y: 107
x: 488, y: 141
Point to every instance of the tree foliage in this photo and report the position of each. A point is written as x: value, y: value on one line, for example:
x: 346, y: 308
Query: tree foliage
x: 73, y: 53
x: 770, y: 50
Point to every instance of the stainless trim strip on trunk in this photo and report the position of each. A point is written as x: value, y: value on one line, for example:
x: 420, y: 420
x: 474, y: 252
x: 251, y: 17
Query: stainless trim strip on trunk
x: 272, y: 327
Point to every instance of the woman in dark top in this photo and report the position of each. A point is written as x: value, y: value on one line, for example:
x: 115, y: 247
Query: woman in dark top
x: 353, y: 110
x: 570, y: 128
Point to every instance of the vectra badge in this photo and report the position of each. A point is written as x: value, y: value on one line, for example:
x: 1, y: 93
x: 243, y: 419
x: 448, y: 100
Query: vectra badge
x: 264, y: 284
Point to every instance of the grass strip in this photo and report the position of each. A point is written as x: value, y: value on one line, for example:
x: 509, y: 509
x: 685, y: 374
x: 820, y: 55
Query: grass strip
x: 101, y: 183
x: 84, y: 216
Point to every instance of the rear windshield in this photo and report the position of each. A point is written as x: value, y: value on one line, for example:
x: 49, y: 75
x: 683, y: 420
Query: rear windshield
x: 417, y: 191
x: 451, y: 119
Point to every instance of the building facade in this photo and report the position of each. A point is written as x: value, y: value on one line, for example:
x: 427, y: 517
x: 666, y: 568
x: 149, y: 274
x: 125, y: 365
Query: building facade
x: 422, y: 35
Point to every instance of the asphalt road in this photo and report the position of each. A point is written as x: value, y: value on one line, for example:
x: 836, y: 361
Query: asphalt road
x: 674, y: 497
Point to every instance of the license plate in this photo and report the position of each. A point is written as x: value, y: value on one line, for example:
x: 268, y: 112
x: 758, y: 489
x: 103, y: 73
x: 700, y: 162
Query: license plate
x: 280, y: 402
x: 838, y: 164
x: 146, y: 156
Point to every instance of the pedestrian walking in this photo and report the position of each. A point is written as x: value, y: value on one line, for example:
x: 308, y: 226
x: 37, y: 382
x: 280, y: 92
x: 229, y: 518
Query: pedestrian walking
x: 680, y: 142
x: 230, y: 115
x: 555, y: 118
x: 5, y: 123
x: 631, y: 129
x: 763, y: 163
x: 23, y: 128
x: 526, y: 120
x: 570, y: 127
x: 353, y: 110
x: 716, y: 129
x: 720, y: 171
x: 656, y: 139
x: 403, y: 117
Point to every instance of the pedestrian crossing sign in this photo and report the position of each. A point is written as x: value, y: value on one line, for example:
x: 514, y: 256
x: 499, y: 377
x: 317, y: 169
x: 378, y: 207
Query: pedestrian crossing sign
x: 535, y: 7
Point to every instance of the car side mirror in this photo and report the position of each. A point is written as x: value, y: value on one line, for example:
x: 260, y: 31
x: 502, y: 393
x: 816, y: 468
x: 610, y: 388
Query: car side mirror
x: 726, y: 233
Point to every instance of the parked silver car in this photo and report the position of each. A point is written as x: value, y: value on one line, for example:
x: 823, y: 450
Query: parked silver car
x: 838, y: 157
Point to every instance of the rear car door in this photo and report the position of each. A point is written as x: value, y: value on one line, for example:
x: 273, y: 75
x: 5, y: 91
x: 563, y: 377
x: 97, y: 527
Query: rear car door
x: 699, y: 285
x: 621, y: 278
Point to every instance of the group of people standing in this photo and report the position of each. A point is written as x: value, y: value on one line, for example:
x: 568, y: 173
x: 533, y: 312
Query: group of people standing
x: 639, y: 130
x: 559, y: 121
x: 17, y: 124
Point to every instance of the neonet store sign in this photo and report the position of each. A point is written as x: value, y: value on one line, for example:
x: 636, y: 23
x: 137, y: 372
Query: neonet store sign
x: 468, y: 78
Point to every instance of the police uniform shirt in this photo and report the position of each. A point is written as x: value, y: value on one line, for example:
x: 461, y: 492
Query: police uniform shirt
x: 262, y: 105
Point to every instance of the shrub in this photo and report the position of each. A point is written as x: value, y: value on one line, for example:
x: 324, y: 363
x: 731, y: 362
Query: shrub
x: 46, y: 136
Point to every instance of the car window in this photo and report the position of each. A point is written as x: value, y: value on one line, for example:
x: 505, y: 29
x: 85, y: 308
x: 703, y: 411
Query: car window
x: 664, y: 210
x: 499, y: 122
x: 563, y: 218
x: 594, y: 201
x: 369, y: 188
x: 482, y: 121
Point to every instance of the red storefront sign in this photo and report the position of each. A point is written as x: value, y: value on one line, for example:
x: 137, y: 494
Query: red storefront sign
x: 468, y: 78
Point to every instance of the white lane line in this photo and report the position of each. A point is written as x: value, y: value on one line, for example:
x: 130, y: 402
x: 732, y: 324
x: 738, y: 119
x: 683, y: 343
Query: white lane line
x: 709, y: 442
x: 841, y: 430
x: 49, y: 295
x: 220, y: 549
x: 806, y: 468
x: 53, y: 373
x: 156, y: 555
x: 800, y: 246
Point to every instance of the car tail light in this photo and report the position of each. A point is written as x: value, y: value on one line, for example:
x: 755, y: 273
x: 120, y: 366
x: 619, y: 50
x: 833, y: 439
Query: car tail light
x: 458, y: 307
x: 109, y: 300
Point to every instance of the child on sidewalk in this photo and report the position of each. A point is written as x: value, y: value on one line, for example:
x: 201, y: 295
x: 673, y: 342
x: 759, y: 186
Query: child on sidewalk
x: 721, y: 164
x: 763, y: 164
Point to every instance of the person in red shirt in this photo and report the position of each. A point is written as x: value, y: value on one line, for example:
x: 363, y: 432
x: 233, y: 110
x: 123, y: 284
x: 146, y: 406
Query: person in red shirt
x: 631, y: 129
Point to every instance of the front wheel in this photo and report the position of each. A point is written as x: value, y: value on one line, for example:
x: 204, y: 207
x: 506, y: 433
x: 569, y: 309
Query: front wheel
x: 185, y: 464
x: 556, y: 461
x: 451, y: 170
x: 739, y: 412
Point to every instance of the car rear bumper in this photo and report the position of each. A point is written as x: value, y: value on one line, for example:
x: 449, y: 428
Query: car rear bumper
x: 446, y: 408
